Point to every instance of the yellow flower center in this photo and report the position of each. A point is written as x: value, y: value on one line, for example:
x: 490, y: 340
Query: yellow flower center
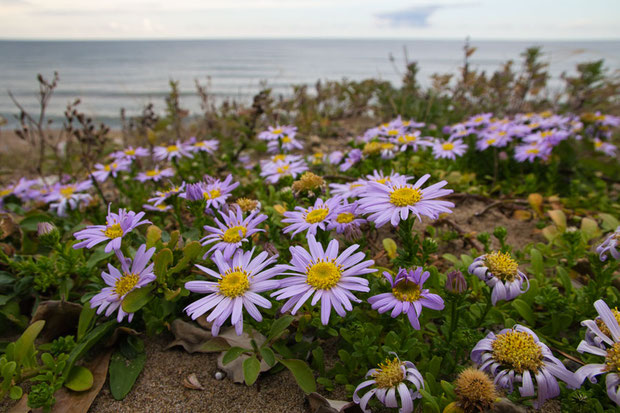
x: 598, y: 144
x: 113, y: 231
x: 126, y: 283
x: 345, y: 218
x: 491, y: 141
x: 502, y: 133
x: 152, y: 173
x: 323, y: 275
x: 130, y: 152
x: 162, y: 207
x: 67, y: 191
x: 277, y: 131
x: 283, y: 169
x: 612, y: 360
x: 234, y: 283
x: 372, y: 148
x: 389, y: 374
x: 406, y: 291
x: 478, y: 119
x: 279, y: 157
x: 6, y: 192
x: 199, y: 144
x: 107, y: 168
x: 172, y: 148
x: 233, y: 235
x: 316, y: 215
x: 383, y: 180
x: 532, y: 150
x: 393, y: 132
x: 448, y: 146
x: 603, y: 327
x: 534, y: 125
x: 502, y: 265
x: 387, y: 146
x: 546, y: 134
x: 286, y: 139
x: 212, y: 194
x: 406, y: 196
x: 518, y: 350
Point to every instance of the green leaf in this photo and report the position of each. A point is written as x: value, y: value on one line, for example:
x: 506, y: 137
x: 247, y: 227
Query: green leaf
x: 452, y: 259
x: 448, y: 388
x: 79, y: 379
x: 162, y: 260
x: 267, y: 355
x: 302, y: 373
x: 86, y: 321
x: 30, y: 223
x: 524, y: 311
x: 251, y: 368
x: 138, y: 298
x: 6, y: 278
x: 153, y: 235
x: 124, y: 372
x: 174, y: 239
x: 96, y: 257
x: 215, y: 345
x: 430, y: 400
x: 8, y: 370
x: 610, y: 223
x: 435, y: 365
x: 467, y: 260
x: 232, y: 354
x: 47, y: 359
x: 16, y: 393
x: 537, y: 262
x: 24, y: 346
x: 279, y: 326
x: 565, y: 280
x: 190, y: 252
x: 87, y: 342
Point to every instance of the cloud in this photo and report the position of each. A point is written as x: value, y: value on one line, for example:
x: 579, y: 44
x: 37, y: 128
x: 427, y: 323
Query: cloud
x: 416, y: 16
x: 412, y: 17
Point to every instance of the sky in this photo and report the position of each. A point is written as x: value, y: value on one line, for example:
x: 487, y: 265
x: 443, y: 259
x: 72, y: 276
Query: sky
x: 201, y: 19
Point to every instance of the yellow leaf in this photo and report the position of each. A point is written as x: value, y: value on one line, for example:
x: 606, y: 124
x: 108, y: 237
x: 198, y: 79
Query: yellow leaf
x: 390, y: 247
x: 559, y: 218
x: 522, y: 215
x: 281, y: 209
x: 536, y: 201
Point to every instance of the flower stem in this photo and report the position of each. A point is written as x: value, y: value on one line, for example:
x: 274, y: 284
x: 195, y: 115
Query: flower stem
x: 486, y: 309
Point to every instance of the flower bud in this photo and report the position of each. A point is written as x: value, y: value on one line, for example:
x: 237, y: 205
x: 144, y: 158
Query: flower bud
x: 48, y: 233
x: 193, y: 192
x: 456, y: 282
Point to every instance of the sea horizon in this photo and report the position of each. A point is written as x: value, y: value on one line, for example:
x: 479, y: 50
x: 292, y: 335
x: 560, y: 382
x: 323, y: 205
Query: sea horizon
x: 108, y: 75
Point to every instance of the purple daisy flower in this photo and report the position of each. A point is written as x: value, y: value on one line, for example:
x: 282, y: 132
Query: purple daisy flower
x: 157, y: 208
x: 277, y: 132
x: 155, y: 174
x: 130, y: 153
x: 411, y: 140
x: 532, y: 151
x: 500, y: 272
x: 610, y: 245
x: 606, y: 331
x: 68, y: 196
x: 133, y: 275
x: 350, y: 190
x: 449, y: 149
x: 209, y: 146
x: 239, y: 282
x: 326, y: 274
x: 407, y: 296
x: 280, y: 169
x: 353, y: 157
x: 347, y: 219
x: 213, y: 191
x: 479, y: 120
x: 161, y: 196
x: 172, y: 151
x: 287, y: 142
x: 391, y: 202
x: 605, y: 147
x: 312, y: 218
x: 117, y: 226
x: 335, y: 157
x: 104, y: 171
x: 388, y: 378
x: 231, y: 233
x: 514, y: 356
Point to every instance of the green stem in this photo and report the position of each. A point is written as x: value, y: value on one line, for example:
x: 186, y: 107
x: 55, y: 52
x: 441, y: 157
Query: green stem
x: 454, y: 316
x: 177, y: 213
x: 486, y: 309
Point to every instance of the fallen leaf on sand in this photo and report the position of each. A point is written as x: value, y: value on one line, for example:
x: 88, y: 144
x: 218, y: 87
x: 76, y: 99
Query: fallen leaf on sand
x: 319, y: 404
x: 192, y: 382
x: 61, y: 317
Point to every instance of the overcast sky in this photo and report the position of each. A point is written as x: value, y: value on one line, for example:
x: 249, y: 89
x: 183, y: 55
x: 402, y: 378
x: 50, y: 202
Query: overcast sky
x: 197, y: 19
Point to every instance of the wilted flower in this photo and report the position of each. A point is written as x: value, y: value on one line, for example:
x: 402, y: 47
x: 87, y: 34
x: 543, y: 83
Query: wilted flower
x: 308, y: 182
x: 133, y: 275
x: 248, y: 205
x: 388, y: 378
x: 606, y: 333
x: 329, y: 276
x: 500, y: 272
x: 239, y: 282
x: 117, y: 226
x: 517, y: 356
x: 610, y: 245
x: 407, y: 296
x: 475, y: 391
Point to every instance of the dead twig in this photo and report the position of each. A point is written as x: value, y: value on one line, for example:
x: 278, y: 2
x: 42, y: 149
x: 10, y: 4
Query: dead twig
x: 498, y: 203
x: 473, y: 241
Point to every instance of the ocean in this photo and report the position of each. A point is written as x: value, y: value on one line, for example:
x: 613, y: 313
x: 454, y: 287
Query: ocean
x: 108, y: 75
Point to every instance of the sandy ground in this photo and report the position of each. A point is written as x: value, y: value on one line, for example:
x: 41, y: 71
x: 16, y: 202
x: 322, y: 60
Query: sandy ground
x: 160, y: 387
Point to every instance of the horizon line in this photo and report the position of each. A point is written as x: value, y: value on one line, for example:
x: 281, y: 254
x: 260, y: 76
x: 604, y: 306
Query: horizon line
x: 151, y: 39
